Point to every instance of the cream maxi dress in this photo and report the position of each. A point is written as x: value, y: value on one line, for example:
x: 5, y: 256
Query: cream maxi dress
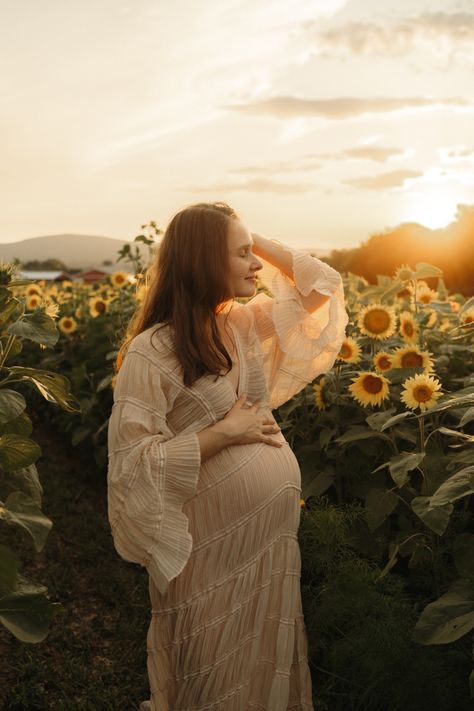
x: 219, y: 538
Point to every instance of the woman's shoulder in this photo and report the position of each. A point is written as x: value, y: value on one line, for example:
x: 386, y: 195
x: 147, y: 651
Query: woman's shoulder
x: 155, y: 342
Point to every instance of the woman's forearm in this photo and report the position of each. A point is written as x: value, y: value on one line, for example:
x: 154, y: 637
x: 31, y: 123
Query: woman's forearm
x: 275, y: 254
x: 212, y: 440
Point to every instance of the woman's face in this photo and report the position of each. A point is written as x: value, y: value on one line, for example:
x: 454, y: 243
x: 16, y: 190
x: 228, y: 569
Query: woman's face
x: 243, y: 265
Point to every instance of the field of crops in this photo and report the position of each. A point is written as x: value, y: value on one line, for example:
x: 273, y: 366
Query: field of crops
x: 385, y: 445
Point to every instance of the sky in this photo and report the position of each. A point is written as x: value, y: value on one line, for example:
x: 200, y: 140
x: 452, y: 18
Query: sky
x: 320, y: 121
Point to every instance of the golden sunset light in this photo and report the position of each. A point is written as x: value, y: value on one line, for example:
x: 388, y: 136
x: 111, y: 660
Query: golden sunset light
x: 319, y: 121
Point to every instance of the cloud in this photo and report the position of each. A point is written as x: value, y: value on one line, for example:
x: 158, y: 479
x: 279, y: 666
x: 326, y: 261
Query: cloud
x: 392, y: 179
x: 451, y: 35
x: 299, y: 165
x: 380, y: 154
x: 255, y: 185
x: 342, y: 107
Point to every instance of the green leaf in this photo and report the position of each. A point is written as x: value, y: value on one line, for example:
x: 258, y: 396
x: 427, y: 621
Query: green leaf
x: 9, y: 567
x: 358, y: 432
x: 463, y: 553
x: 37, y: 327
x: 379, y: 504
x: 437, y: 519
x: 12, y: 404
x: 393, y: 420
x: 317, y: 484
x: 27, y: 615
x: 79, y: 434
x: 104, y: 383
x: 456, y: 433
x: 27, y: 481
x: 7, y: 309
x: 22, y: 511
x: 448, y: 404
x: 424, y: 270
x: 393, y: 551
x: 52, y: 386
x: 378, y: 419
x: 467, y: 417
x: 399, y: 375
x: 456, y: 487
x: 17, y: 451
x: 21, y: 425
x: 401, y: 464
x: 448, y: 618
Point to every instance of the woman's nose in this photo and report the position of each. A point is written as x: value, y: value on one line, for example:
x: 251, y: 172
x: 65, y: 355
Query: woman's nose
x: 257, y: 265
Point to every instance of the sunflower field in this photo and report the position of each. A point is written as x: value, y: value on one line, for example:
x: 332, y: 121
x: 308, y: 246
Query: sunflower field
x: 385, y: 445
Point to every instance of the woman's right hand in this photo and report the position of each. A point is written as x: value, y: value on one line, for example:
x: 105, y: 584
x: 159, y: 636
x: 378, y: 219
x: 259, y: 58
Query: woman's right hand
x: 245, y: 425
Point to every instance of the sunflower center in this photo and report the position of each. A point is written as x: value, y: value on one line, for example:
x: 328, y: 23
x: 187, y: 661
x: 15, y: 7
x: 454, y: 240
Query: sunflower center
x: 346, y: 351
x: 425, y: 298
x: 372, y: 384
x: 377, y: 321
x: 422, y: 393
x: 67, y: 323
x: 411, y: 359
x: 404, y: 293
x: 100, y: 307
x: 384, y: 363
x: 469, y: 319
x: 408, y: 328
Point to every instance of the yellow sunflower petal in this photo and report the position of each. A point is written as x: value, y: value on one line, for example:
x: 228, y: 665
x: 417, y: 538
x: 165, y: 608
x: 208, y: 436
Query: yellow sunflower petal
x: 369, y: 388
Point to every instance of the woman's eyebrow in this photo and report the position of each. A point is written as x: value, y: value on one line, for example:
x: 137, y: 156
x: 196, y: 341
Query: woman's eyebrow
x: 244, y: 246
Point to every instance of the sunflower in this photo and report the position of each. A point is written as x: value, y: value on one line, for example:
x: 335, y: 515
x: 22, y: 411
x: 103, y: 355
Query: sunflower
x: 426, y: 295
x: 404, y: 273
x: 467, y: 316
x: 32, y: 289
x: 51, y: 308
x: 369, y: 388
x: 382, y: 361
x: 302, y: 503
x: 67, y: 324
x: 408, y: 327
x: 97, y: 306
x: 140, y: 293
x: 405, y: 293
x: 412, y: 357
x: 420, y: 391
x: 377, y: 321
x: 350, y: 351
x: 318, y: 389
x: 119, y: 279
x: 33, y: 301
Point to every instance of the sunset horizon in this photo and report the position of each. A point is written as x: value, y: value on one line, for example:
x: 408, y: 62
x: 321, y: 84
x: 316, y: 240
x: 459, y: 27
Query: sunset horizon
x: 320, y: 123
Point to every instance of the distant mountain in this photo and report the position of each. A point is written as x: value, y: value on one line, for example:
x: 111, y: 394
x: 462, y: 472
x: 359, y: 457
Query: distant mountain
x: 76, y: 251
x: 79, y: 251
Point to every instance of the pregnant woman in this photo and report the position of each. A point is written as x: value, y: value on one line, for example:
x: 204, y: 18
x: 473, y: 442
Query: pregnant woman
x: 203, y: 489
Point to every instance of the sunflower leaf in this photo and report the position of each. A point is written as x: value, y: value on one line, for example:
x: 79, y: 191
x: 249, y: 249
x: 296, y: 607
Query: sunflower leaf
x: 448, y: 618
x: 37, y: 327
x: 435, y: 518
x: 424, y: 270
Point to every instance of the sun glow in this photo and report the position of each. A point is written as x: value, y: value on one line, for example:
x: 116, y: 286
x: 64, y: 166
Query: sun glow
x: 434, y: 210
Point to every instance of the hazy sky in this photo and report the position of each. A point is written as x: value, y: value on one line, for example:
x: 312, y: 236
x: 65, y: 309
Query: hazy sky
x: 319, y: 121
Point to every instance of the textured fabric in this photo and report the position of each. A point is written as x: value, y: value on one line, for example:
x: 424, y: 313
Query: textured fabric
x: 219, y: 538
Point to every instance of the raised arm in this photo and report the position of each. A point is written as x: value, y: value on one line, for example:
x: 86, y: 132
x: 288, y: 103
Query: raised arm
x: 273, y: 252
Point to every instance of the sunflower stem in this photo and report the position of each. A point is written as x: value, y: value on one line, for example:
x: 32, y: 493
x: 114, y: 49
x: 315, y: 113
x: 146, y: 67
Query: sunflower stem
x: 433, y: 537
x: 8, y: 347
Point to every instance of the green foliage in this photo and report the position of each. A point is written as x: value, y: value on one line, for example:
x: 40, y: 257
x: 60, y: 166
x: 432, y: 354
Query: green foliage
x: 25, y: 608
x: 359, y: 627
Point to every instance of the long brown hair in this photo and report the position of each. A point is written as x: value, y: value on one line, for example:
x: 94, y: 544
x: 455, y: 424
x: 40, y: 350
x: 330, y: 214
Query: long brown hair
x: 187, y: 285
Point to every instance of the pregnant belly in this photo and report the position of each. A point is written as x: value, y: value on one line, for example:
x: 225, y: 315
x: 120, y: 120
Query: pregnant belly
x: 245, y: 483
